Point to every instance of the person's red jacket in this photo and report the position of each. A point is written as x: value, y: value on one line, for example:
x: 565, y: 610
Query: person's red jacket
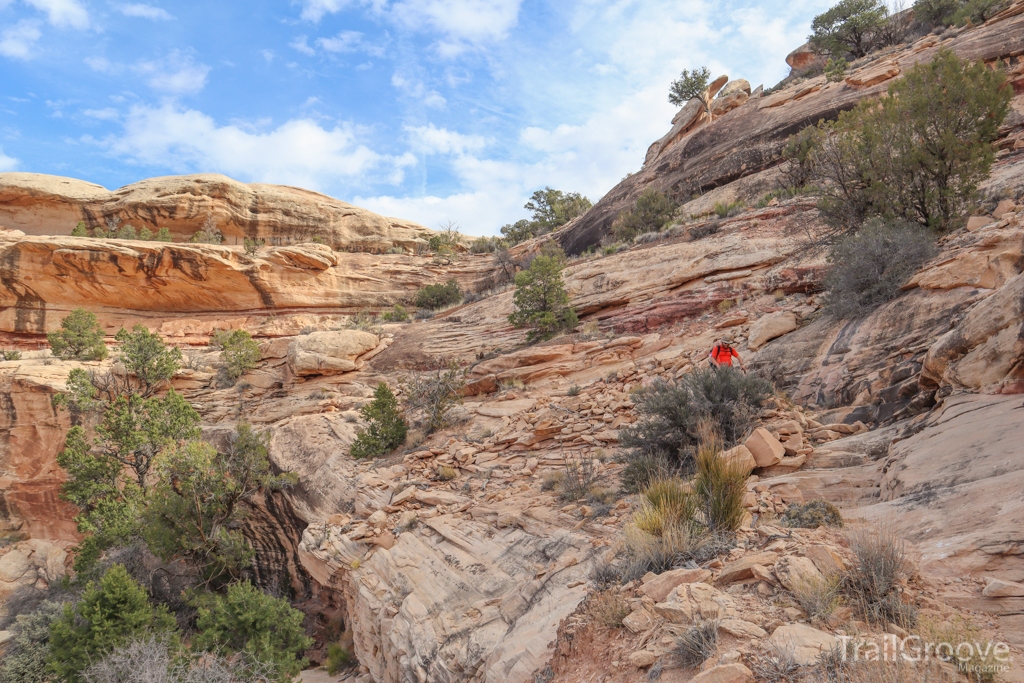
x: 723, y: 355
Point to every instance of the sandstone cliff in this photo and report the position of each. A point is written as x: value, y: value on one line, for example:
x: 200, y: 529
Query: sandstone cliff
x: 50, y: 205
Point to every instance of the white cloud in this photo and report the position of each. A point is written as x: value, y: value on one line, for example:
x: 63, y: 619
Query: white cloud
x: 298, y: 152
x: 470, y: 20
x: 7, y: 163
x: 63, y: 13
x: 314, y: 10
x: 107, y: 114
x: 351, y: 41
x: 101, y: 64
x: 175, y: 74
x: 430, y: 139
x: 415, y: 90
x: 18, y: 40
x: 301, y: 44
x: 144, y: 11
x: 268, y: 55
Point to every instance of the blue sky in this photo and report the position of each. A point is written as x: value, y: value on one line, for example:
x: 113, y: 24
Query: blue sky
x: 431, y: 110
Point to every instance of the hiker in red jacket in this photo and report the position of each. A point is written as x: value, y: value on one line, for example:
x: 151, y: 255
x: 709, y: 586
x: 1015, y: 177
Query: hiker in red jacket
x: 722, y: 354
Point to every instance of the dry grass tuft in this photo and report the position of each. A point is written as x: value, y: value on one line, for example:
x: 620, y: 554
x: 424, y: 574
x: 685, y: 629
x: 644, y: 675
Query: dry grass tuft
x: 608, y: 608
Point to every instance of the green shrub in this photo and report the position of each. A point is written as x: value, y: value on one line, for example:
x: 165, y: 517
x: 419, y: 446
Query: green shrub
x: 127, y: 232
x: 835, y: 69
x: 689, y: 86
x: 726, y: 209
x: 651, y: 211
x: 80, y: 337
x: 164, y: 235
x: 812, y: 514
x: 948, y: 12
x: 540, y: 301
x: 486, y: 245
x: 435, y: 394
x: 145, y: 234
x: 551, y: 209
x: 868, y: 269
x: 385, y: 427
x: 917, y: 155
x: 10, y: 354
x: 252, y: 246
x: 674, y: 415
x: 24, y: 660
x: 80, y: 230
x: 338, y: 659
x: 398, y: 314
x: 434, y: 297
x: 851, y: 26
x: 193, y: 512
x: 238, y: 351
x: 249, y: 621
x: 108, y: 615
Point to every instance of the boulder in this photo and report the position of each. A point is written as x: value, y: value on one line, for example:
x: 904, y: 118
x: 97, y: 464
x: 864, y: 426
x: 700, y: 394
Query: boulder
x: 638, y: 621
x: 873, y: 74
x: 741, y: 457
x: 766, y: 449
x: 13, y: 565
x: 690, y: 603
x: 804, y: 58
x: 1002, y: 208
x: 329, y: 353
x: 794, y: 571
x: 825, y: 558
x: 657, y: 587
x: 806, y: 642
x: 997, y: 588
x: 642, y: 659
x: 727, y: 673
x: 742, y: 568
x: 978, y: 222
x: 770, y: 327
x: 739, y: 85
x: 741, y: 629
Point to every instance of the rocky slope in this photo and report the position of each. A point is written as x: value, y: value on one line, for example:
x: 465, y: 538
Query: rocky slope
x: 50, y: 205
x: 907, y: 417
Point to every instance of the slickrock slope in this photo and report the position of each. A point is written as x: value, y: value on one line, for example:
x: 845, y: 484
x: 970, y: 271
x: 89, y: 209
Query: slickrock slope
x: 50, y: 205
x: 748, y: 139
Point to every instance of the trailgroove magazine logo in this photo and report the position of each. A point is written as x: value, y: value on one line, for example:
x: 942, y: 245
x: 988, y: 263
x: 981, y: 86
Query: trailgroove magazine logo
x: 970, y: 657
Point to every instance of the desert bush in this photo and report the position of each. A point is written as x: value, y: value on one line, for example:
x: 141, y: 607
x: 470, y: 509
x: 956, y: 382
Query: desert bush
x: 239, y: 352
x: 434, y: 297
x: 252, y: 245
x: 608, y: 608
x: 194, y: 511
x: 960, y: 12
x: 835, y: 69
x: 671, y: 415
x: 666, y: 503
x: 812, y: 514
x: 651, y: 212
x: 869, y: 268
x: 338, y: 659
x: 10, y: 354
x: 775, y: 664
x: 110, y: 613
x: 447, y: 473
x: 208, y: 234
x: 385, y: 429
x: 150, y: 660
x: 818, y: 597
x: 24, y: 659
x: 550, y: 210
x: 648, y: 553
x: 980, y: 667
x: 164, y: 235
x: 80, y: 230
x: 248, y: 621
x: 726, y: 209
x: 697, y: 644
x: 689, y: 86
x: 435, y: 394
x: 398, y: 314
x: 551, y: 480
x: 850, y: 26
x: 701, y: 231
x: 874, y: 583
x: 578, y: 475
x: 486, y: 245
x: 916, y: 155
x: 540, y: 302
x: 718, y: 487
x: 80, y: 337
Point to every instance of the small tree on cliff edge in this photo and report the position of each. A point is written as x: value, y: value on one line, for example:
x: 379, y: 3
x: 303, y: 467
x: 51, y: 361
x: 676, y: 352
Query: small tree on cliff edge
x: 80, y: 337
x: 541, y: 302
x: 385, y: 427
